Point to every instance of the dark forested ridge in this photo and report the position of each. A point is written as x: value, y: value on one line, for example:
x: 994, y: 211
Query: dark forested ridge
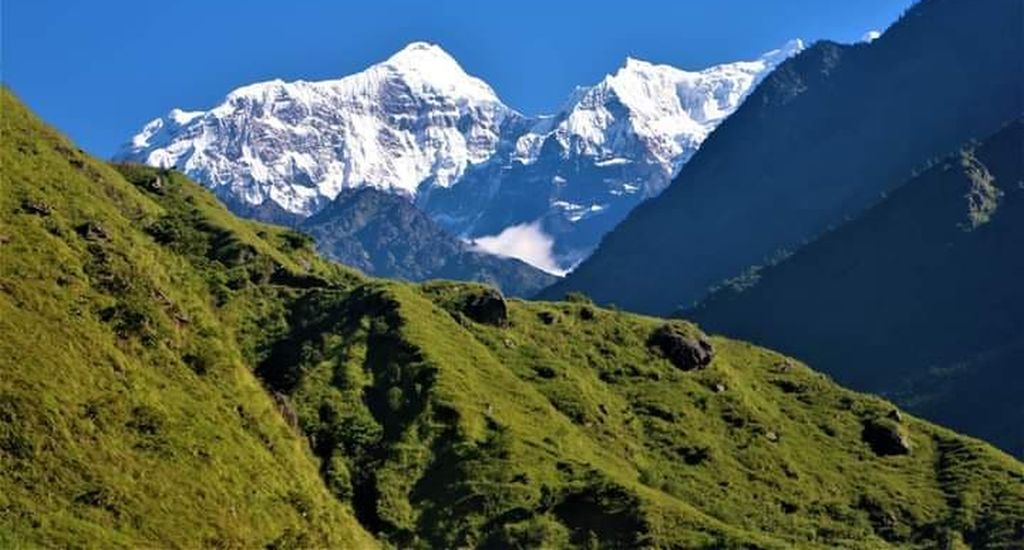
x: 920, y: 298
x: 820, y: 140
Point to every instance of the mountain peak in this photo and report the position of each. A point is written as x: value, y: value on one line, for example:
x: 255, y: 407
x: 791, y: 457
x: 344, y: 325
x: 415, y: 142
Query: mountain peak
x: 787, y: 50
x: 638, y: 69
x: 633, y: 63
x: 461, y: 122
x: 431, y: 65
x: 768, y: 60
x: 662, y: 101
x: 415, y: 52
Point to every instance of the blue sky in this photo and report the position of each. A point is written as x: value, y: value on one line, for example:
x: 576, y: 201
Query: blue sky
x: 99, y: 69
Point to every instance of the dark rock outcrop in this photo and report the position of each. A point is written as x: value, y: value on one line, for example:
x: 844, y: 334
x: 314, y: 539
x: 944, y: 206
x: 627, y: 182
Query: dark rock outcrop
x: 39, y: 208
x: 886, y: 437
x: 92, y: 231
x: 547, y: 317
x: 686, y: 348
x: 486, y: 306
x: 156, y: 184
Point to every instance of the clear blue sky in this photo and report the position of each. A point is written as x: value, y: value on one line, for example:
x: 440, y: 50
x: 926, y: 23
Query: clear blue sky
x: 99, y: 69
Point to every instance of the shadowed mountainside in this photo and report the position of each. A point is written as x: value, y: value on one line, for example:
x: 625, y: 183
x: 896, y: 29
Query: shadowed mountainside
x: 919, y: 298
x: 820, y: 140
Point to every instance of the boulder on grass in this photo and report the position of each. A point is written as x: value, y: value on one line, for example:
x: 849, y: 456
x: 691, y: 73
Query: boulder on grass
x: 547, y: 317
x: 486, y: 306
x: 92, y: 231
x: 686, y: 348
x: 886, y: 437
x: 38, y: 208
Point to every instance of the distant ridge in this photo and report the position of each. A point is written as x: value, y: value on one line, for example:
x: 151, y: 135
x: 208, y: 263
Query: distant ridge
x: 385, y: 235
x: 919, y: 298
x: 820, y: 140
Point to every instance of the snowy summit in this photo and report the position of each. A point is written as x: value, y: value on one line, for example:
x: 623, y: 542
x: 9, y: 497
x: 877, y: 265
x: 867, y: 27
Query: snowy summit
x: 418, y: 124
x: 415, y: 115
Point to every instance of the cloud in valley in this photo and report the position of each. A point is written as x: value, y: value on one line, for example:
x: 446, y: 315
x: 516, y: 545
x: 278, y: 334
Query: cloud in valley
x: 527, y: 242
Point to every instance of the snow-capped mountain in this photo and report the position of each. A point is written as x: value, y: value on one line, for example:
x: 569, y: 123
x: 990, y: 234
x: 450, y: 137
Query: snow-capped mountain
x: 570, y: 178
x: 661, y: 110
x: 415, y: 116
x: 417, y: 124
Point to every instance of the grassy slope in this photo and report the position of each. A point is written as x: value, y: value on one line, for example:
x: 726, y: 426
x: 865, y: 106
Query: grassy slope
x: 146, y: 428
x: 561, y: 428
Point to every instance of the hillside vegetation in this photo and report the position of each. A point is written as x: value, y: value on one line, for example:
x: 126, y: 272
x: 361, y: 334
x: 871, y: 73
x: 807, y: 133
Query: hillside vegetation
x: 174, y: 376
x: 128, y: 414
x: 928, y: 281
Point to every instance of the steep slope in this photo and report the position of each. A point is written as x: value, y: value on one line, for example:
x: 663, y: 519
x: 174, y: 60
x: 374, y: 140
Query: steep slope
x: 926, y: 284
x: 384, y: 234
x: 418, y: 125
x: 441, y: 414
x: 128, y: 417
x: 822, y: 137
x: 562, y: 426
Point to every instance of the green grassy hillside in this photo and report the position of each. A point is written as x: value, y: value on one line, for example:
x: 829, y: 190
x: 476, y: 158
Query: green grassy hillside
x: 128, y: 416
x: 173, y: 376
